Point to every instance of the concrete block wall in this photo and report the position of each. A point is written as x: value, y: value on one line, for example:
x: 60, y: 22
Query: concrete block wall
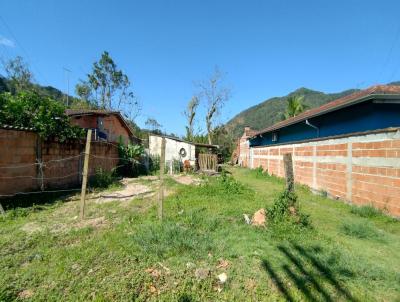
x: 362, y: 169
x: 63, y: 162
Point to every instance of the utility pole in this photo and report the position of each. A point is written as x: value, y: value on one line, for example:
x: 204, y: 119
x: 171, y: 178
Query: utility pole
x: 67, y: 73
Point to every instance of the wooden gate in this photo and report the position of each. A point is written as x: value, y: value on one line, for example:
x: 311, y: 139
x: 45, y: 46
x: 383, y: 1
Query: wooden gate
x: 208, y: 162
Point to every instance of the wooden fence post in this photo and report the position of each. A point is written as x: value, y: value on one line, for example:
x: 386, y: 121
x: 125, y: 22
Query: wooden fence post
x: 288, y: 164
x: 85, y: 173
x: 161, y: 192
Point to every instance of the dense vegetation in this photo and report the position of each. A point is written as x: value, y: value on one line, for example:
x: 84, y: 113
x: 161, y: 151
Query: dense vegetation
x: 43, y: 114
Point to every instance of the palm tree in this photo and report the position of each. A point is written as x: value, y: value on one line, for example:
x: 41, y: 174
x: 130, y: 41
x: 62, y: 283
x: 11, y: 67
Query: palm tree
x: 294, y: 106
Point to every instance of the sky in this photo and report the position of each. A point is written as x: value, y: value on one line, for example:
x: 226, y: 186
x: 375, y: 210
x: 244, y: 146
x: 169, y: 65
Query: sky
x: 265, y: 48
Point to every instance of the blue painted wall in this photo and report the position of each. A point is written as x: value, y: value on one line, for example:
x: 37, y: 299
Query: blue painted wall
x: 361, y: 117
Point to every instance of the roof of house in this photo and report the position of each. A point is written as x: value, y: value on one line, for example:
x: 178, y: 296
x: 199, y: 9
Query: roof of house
x: 378, y: 91
x: 102, y: 112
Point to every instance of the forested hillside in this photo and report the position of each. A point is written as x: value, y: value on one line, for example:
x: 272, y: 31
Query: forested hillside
x: 270, y: 111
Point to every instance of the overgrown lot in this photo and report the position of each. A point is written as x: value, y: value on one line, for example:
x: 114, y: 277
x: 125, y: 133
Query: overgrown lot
x: 122, y: 251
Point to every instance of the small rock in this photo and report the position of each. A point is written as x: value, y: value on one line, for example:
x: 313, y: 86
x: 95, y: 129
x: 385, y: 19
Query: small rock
x: 25, y: 294
x: 202, y: 273
x: 293, y: 211
x: 190, y: 265
x: 259, y: 218
x: 222, y: 277
x: 247, y: 218
x: 222, y: 263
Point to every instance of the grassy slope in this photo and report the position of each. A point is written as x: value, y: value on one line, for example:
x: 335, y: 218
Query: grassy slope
x: 202, y: 225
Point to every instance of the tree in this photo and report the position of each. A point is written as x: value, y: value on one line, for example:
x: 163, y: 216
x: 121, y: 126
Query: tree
x: 215, y: 96
x: 109, y: 88
x: 45, y: 115
x: 19, y: 75
x: 153, y: 125
x: 190, y: 114
x: 294, y: 106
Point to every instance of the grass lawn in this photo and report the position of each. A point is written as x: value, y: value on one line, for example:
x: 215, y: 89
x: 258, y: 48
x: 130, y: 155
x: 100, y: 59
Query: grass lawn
x: 121, y: 252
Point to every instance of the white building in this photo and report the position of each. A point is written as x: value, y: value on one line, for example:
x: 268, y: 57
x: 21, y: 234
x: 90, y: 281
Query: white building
x: 175, y: 149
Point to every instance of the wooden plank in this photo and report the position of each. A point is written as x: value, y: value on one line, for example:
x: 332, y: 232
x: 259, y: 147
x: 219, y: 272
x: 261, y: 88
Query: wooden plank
x: 85, y: 173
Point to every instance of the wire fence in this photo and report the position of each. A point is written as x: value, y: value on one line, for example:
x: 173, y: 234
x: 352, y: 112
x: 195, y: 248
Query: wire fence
x: 54, y: 175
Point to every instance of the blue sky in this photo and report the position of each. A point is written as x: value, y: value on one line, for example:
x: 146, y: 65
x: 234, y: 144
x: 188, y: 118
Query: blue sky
x: 267, y: 48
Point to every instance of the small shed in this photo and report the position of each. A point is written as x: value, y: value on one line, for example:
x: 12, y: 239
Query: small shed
x: 177, y: 149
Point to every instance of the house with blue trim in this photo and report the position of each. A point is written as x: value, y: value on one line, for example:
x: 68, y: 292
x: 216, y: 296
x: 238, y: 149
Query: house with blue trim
x: 375, y: 108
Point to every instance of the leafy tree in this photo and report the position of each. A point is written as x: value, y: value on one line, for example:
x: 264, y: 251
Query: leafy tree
x: 45, y: 115
x: 215, y: 96
x: 294, y: 106
x: 19, y: 75
x: 190, y: 114
x: 109, y: 88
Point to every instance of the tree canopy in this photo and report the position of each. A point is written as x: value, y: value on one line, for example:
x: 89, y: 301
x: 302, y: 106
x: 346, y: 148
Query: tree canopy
x: 45, y: 115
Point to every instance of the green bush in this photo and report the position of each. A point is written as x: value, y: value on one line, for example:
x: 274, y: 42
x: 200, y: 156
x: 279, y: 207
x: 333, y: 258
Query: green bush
x: 229, y: 184
x: 154, y: 164
x: 45, y: 115
x: 102, y: 178
x: 286, y: 208
x: 260, y: 173
x: 131, y: 160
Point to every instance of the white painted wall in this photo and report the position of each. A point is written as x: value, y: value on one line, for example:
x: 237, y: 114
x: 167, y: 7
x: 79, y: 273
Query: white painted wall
x: 172, y: 148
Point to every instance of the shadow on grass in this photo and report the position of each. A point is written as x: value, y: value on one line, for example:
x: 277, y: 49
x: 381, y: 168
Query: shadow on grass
x: 310, y: 276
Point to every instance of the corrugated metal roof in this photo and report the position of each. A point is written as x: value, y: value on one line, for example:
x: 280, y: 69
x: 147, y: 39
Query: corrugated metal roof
x: 346, y: 101
x: 11, y: 127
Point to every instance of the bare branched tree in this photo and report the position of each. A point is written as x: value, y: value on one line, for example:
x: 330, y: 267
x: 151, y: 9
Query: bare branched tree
x: 215, y: 95
x: 190, y: 114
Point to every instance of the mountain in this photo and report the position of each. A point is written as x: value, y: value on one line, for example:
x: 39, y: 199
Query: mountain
x: 269, y: 112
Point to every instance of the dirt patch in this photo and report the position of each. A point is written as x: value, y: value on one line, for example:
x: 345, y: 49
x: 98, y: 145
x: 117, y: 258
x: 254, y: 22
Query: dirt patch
x: 31, y: 227
x: 91, y: 222
x: 130, y: 191
x: 187, y: 179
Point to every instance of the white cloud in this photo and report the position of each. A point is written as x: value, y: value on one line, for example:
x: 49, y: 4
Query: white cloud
x: 6, y: 42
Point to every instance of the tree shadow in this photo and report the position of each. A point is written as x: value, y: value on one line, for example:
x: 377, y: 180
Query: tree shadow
x: 310, y: 276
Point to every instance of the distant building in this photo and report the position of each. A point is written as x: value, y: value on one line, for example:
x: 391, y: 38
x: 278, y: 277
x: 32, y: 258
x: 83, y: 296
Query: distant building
x: 106, y: 125
x: 176, y: 149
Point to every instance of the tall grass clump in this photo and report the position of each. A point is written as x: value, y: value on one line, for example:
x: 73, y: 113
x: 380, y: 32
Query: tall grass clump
x: 361, y: 230
x: 367, y: 211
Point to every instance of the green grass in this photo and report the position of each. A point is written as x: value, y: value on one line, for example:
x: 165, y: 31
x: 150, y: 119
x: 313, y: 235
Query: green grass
x: 132, y: 256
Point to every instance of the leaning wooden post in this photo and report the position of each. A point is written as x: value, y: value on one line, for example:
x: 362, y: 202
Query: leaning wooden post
x: 288, y: 164
x: 161, y: 192
x: 85, y: 173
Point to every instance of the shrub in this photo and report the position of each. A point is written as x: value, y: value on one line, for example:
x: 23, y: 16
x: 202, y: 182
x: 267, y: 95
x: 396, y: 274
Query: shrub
x: 102, y: 178
x: 260, y: 173
x: 131, y: 160
x: 230, y: 185
x: 286, y: 208
x: 45, y: 115
x: 154, y: 163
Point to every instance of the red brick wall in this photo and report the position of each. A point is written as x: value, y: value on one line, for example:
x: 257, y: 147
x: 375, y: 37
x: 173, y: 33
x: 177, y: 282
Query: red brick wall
x: 111, y: 124
x: 62, y: 167
x: 363, y: 169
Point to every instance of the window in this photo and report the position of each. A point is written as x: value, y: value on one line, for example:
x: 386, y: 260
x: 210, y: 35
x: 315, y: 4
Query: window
x: 275, y: 137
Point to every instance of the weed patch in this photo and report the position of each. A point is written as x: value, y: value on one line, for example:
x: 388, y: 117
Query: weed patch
x: 362, y: 230
x: 366, y: 211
